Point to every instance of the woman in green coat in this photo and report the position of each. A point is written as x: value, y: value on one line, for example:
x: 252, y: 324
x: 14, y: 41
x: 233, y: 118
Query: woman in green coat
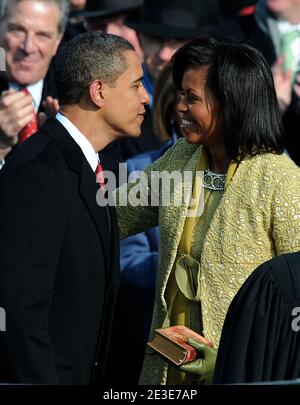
x: 228, y: 199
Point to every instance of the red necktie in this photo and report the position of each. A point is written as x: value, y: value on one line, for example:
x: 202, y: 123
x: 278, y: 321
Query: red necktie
x: 100, y: 176
x: 31, y: 127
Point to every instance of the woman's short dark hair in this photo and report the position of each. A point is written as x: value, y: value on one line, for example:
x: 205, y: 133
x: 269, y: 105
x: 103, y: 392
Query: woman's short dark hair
x: 241, y: 82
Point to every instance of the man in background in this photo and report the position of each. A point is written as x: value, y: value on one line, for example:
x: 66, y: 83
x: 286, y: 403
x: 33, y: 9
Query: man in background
x: 109, y: 16
x: 274, y: 28
x: 164, y: 26
x: 30, y: 32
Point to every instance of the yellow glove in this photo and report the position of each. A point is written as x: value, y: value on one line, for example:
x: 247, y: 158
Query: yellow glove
x: 204, y: 366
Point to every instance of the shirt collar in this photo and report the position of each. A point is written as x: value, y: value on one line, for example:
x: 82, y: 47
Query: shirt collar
x: 84, y: 144
x: 285, y: 26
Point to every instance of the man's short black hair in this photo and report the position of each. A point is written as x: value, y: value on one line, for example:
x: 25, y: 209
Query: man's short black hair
x: 88, y: 57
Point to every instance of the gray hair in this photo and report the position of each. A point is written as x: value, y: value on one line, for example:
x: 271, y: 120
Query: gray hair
x: 63, y: 5
x: 89, y: 57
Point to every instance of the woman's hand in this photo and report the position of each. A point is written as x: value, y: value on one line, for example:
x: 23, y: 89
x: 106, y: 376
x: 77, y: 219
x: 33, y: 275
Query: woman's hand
x: 204, y: 366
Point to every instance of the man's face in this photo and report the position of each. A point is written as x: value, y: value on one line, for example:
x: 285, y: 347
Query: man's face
x: 77, y: 4
x: 124, y: 107
x: 115, y: 25
x: 30, y: 37
x: 158, y: 52
x: 279, y: 7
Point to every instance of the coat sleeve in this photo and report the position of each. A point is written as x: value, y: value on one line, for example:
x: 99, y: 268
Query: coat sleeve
x: 32, y: 217
x: 133, y: 204
x: 139, y: 253
x: 138, y: 201
x: 286, y: 211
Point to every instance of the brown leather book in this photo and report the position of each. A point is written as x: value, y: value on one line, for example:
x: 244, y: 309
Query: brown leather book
x: 171, y: 344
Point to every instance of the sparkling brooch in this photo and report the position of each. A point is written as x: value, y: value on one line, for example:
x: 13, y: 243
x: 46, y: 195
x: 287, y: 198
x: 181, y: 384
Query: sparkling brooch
x: 214, y: 181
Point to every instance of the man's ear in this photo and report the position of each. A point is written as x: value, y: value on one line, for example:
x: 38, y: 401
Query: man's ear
x: 96, y: 94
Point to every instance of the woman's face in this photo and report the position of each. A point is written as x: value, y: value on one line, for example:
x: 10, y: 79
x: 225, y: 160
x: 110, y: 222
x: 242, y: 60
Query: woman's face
x: 199, y: 112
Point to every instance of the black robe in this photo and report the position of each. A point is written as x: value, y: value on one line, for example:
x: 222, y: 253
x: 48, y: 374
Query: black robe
x: 261, y: 335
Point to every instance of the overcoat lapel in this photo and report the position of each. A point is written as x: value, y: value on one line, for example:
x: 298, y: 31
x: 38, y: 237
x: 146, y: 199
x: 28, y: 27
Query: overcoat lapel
x: 100, y: 215
x: 87, y: 181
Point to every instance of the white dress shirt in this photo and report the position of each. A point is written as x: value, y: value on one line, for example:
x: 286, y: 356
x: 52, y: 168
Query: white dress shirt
x: 87, y: 149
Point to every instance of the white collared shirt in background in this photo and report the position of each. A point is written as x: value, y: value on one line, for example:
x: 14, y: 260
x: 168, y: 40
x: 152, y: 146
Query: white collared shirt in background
x: 285, y: 27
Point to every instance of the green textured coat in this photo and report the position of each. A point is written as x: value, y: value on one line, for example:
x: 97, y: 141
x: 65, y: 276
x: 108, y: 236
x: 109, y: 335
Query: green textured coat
x: 258, y: 217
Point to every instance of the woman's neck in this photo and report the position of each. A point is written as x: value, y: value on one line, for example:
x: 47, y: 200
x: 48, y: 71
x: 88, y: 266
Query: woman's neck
x: 218, y: 160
